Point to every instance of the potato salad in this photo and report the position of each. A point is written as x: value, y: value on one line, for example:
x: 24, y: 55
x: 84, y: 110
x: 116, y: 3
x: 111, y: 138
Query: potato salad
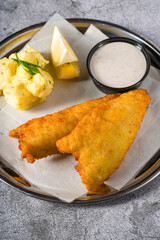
x: 22, y: 80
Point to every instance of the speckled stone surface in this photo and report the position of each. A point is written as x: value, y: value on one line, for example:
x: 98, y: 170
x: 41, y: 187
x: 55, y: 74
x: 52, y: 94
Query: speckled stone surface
x: 133, y: 217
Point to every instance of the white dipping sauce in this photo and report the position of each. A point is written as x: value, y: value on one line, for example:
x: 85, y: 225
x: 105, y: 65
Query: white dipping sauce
x: 118, y: 64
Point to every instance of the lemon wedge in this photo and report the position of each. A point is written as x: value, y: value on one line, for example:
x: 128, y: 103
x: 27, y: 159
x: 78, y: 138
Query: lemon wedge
x: 68, y: 70
x: 63, y: 57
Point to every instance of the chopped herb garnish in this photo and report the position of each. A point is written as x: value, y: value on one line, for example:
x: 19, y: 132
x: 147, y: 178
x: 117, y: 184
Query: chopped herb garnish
x: 31, y: 68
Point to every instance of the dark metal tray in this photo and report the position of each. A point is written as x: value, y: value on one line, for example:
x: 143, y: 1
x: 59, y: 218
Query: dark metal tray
x: 152, y: 169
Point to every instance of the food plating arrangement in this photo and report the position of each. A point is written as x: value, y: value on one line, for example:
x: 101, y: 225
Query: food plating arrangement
x: 81, y: 109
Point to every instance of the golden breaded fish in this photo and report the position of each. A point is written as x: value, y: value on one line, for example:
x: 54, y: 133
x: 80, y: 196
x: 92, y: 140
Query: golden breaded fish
x: 37, y: 137
x: 101, y: 139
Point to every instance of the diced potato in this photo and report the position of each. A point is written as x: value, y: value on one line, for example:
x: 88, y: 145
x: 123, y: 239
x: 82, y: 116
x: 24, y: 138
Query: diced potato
x: 41, y: 84
x: 20, y: 98
x: 22, y: 74
x: 7, y: 70
x: 31, y: 55
x: 21, y: 89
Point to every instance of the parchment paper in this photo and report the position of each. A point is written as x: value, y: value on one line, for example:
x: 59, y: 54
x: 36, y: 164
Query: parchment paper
x: 56, y: 175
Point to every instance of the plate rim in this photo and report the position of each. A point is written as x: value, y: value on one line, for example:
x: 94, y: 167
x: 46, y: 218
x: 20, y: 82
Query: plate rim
x: 118, y: 194
x: 83, y: 20
x: 106, y: 198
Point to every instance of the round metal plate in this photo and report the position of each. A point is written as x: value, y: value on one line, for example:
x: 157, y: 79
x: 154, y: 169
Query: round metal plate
x: 152, y: 169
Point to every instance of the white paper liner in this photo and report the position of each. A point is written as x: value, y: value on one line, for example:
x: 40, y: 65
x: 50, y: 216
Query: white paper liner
x: 56, y: 175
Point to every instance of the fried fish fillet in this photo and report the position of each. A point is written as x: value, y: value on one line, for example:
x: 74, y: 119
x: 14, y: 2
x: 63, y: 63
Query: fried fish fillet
x: 37, y: 137
x: 101, y: 139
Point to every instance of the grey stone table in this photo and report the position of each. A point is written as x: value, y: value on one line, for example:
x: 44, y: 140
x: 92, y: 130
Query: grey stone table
x: 136, y: 216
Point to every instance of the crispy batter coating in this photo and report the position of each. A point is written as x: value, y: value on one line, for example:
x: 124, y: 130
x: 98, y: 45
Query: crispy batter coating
x: 37, y: 137
x: 101, y: 139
